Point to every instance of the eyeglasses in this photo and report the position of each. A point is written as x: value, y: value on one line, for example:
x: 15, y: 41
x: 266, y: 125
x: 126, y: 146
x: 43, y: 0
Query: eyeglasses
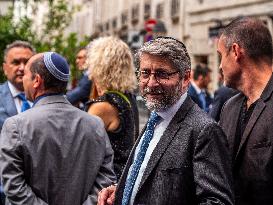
x: 160, y: 76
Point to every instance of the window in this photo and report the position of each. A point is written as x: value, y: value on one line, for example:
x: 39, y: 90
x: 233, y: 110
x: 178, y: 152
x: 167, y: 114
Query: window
x: 175, y: 7
x: 107, y: 26
x: 124, y: 18
x: 100, y: 28
x: 159, y: 11
x: 147, y: 10
x: 135, y: 13
x: 114, y: 23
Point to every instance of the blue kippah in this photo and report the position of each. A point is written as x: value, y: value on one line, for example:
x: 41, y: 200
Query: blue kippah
x: 57, y: 66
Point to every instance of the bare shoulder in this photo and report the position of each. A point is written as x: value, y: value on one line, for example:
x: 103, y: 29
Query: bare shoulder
x: 107, y: 112
x: 101, y: 108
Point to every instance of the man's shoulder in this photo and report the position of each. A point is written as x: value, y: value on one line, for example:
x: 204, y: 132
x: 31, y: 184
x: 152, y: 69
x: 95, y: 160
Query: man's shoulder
x: 4, y: 88
x: 226, y: 92
x: 234, y: 101
x: 195, y: 118
x: 199, y: 118
x: 231, y: 109
x: 5, y: 96
x: 69, y: 112
x: 44, y: 116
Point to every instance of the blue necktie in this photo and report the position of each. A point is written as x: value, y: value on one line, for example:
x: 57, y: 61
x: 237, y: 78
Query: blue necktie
x: 202, y: 97
x: 148, y: 134
x: 25, y: 105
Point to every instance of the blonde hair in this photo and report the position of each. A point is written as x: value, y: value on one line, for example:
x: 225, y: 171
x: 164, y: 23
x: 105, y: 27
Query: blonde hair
x: 110, y: 64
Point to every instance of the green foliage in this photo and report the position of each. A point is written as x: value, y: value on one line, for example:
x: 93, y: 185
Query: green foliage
x: 52, y: 38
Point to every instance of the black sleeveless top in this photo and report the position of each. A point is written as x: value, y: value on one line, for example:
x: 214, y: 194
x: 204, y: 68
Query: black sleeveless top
x: 123, y: 138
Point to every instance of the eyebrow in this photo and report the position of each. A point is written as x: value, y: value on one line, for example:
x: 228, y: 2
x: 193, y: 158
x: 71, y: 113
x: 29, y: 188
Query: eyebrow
x: 157, y: 68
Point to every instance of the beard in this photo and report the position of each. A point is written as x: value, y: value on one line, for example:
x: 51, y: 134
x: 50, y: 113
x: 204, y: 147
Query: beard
x: 168, y: 96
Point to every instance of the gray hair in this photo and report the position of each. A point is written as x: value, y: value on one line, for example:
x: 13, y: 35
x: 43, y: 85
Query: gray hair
x: 168, y: 48
x: 18, y: 44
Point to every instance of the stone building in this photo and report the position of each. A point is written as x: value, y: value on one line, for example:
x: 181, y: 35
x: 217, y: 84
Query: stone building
x: 195, y: 22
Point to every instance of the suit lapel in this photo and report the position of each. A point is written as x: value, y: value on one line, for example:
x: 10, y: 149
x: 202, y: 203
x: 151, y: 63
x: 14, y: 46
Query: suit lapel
x: 166, y: 138
x: 8, y: 101
x: 257, y: 112
x: 231, y: 128
x: 254, y: 117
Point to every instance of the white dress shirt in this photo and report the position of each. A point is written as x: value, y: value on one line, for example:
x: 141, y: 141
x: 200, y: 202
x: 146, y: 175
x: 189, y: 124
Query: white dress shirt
x: 15, y: 92
x: 167, y: 116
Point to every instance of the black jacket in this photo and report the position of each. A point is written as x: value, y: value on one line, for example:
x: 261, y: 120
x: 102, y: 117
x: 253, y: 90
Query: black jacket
x: 253, y: 164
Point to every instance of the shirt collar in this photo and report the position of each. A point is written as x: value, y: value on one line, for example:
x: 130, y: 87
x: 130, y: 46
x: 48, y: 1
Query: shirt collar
x: 14, y: 91
x: 170, y: 112
x: 86, y: 72
x: 198, y: 90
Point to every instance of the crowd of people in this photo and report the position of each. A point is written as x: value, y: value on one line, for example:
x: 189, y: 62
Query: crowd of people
x: 83, y: 147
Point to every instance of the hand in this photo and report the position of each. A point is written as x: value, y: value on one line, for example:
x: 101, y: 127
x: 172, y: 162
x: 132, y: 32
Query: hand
x: 107, y: 195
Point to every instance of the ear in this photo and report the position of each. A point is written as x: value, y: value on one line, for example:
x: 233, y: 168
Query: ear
x: 200, y: 78
x: 38, y: 81
x: 237, y: 51
x: 186, y: 80
x: 4, y: 68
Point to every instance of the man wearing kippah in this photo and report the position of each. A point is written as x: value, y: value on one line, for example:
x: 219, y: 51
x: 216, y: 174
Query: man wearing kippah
x: 53, y: 153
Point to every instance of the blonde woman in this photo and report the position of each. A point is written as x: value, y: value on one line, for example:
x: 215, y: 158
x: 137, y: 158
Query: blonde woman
x: 111, y: 69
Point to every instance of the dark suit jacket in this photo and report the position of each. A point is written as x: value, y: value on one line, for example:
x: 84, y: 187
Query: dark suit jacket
x: 195, y: 97
x: 7, y: 105
x: 220, y: 97
x: 81, y: 92
x: 189, y: 165
x: 253, y: 165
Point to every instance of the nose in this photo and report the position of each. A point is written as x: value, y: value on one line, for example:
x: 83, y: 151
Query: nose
x: 152, y: 81
x: 22, y: 66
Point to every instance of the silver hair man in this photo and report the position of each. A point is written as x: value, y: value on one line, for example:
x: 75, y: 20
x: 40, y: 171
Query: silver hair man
x: 172, y: 51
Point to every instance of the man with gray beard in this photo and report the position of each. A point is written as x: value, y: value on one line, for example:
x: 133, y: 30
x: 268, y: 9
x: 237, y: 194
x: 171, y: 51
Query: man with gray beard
x: 181, y: 157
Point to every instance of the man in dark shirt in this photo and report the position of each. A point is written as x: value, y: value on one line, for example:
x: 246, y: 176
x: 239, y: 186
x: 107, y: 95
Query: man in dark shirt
x: 245, y: 48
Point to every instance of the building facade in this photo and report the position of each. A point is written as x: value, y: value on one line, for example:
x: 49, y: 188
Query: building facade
x: 195, y: 22
x: 5, y: 5
x: 205, y: 17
